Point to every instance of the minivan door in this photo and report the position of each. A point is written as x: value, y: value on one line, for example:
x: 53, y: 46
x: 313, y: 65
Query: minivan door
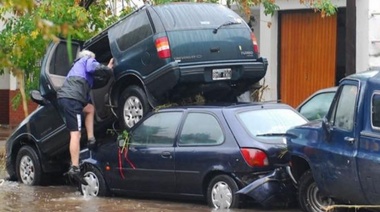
x: 55, y: 66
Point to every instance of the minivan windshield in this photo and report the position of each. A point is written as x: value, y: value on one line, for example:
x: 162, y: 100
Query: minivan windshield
x: 269, y: 121
x: 189, y: 16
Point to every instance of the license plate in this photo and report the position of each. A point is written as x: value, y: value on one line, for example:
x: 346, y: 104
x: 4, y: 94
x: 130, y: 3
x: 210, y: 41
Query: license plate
x: 221, y: 74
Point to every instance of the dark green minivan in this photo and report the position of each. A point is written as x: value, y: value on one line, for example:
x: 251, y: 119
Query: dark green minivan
x: 167, y: 52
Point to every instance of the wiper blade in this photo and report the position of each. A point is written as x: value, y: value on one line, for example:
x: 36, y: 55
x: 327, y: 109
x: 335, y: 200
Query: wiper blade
x: 276, y: 134
x: 228, y: 23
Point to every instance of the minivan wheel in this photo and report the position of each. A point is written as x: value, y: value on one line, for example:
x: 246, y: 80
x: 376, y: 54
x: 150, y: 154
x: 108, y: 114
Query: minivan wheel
x: 96, y: 184
x: 133, y: 105
x: 309, y: 197
x: 28, y: 166
x: 221, y: 193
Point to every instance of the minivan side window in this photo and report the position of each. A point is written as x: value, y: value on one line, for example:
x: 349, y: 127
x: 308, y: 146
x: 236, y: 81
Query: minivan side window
x: 345, y: 110
x: 159, y: 129
x: 60, y: 63
x: 201, y: 129
x: 133, y: 30
x: 376, y: 110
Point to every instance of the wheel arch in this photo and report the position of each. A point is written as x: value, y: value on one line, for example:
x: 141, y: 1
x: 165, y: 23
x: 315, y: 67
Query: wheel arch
x: 24, y: 140
x: 209, y: 176
x: 299, y: 166
x: 122, y: 83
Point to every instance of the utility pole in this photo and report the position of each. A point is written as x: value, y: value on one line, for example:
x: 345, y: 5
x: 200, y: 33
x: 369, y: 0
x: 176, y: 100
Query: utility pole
x: 350, y: 37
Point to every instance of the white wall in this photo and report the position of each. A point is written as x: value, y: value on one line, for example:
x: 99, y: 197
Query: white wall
x: 269, y: 41
x: 367, y: 34
x: 7, y: 81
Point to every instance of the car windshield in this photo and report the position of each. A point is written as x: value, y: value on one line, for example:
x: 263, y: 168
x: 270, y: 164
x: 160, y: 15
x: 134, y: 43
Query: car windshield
x: 272, y: 122
x: 318, y: 106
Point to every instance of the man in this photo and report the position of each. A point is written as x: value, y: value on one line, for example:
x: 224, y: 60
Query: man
x: 73, y: 98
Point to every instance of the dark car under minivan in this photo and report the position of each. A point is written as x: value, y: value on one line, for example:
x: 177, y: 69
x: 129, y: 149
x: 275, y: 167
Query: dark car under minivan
x: 162, y: 54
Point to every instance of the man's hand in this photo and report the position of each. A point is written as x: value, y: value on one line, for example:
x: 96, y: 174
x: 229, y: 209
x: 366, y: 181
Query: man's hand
x: 110, y: 64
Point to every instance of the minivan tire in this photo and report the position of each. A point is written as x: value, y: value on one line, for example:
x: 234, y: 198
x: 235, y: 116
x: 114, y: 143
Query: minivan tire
x: 225, y: 188
x: 133, y: 105
x: 28, y: 167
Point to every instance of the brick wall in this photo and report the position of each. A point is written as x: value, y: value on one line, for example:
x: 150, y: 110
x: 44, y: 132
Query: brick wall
x: 9, y: 115
x: 4, y: 111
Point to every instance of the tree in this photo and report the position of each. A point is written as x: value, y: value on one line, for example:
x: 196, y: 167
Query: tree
x: 30, y: 27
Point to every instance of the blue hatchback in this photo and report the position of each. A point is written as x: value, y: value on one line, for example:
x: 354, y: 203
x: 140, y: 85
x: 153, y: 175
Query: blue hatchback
x: 209, y: 152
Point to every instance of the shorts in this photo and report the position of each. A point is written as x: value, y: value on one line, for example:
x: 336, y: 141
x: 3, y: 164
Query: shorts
x: 72, y: 112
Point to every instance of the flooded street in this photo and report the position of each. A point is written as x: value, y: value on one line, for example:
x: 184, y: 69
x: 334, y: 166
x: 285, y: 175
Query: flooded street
x: 19, y: 197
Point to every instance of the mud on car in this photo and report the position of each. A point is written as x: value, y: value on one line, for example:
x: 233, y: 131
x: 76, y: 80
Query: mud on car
x: 162, y: 54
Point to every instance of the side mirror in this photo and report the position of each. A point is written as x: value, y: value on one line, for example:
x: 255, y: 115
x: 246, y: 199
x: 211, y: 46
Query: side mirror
x: 37, y: 98
x: 326, y: 126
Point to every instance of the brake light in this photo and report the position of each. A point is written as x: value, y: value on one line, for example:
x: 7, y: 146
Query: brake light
x: 254, y: 157
x: 254, y: 42
x: 163, y: 48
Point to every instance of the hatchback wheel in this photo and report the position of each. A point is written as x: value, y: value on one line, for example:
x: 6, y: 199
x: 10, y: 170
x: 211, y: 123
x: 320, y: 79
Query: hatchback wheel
x: 133, y: 105
x: 96, y: 183
x: 28, y: 166
x: 221, y: 193
x: 309, y: 197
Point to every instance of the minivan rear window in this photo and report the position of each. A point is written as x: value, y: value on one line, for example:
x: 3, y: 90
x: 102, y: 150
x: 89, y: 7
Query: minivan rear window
x: 189, y: 16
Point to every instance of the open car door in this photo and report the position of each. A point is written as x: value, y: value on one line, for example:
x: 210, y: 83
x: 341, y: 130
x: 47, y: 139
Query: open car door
x: 55, y: 66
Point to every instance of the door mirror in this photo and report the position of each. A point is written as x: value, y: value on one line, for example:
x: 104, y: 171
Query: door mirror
x: 326, y: 126
x: 37, y: 98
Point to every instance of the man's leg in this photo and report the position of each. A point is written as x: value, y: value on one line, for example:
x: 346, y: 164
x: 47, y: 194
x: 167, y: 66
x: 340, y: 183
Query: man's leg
x: 89, y: 112
x: 75, y: 147
x: 73, y: 116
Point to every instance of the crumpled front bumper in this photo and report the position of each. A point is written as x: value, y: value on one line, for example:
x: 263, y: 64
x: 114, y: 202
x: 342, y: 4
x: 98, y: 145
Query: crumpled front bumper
x: 277, y: 189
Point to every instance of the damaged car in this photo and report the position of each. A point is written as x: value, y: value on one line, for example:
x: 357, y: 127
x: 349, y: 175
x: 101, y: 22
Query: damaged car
x: 209, y: 152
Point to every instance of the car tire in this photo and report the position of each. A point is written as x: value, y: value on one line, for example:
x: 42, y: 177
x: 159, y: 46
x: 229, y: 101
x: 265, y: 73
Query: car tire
x: 309, y: 197
x: 28, y: 167
x: 96, y: 183
x: 133, y: 106
x: 221, y: 193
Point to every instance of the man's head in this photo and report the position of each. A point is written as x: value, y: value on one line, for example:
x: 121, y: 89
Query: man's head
x: 86, y: 53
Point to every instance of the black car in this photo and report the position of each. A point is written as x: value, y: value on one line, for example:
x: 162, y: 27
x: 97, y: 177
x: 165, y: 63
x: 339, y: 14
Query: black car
x: 162, y: 53
x: 204, y: 152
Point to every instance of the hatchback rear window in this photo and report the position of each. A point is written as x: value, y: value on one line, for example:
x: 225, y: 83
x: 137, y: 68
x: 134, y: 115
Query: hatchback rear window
x: 189, y: 16
x: 270, y: 121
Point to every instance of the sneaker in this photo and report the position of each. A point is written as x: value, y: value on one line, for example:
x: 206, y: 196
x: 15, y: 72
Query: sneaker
x: 91, y: 143
x: 74, y: 172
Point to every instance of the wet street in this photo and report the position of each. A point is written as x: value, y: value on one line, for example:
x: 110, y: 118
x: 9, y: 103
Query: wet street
x: 18, y: 197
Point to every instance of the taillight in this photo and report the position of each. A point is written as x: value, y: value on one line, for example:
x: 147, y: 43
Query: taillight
x: 255, y: 157
x: 163, y: 48
x: 254, y: 42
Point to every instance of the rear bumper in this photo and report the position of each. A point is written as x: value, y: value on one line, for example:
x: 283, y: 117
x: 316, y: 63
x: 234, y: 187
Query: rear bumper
x: 183, y: 80
x: 242, y: 70
x: 274, y: 189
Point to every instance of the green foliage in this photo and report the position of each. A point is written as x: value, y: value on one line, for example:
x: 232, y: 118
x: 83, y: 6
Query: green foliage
x: 123, y: 140
x: 29, y: 29
x: 269, y: 7
x: 325, y: 7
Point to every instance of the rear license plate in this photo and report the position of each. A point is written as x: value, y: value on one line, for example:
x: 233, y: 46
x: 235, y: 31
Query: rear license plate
x: 221, y: 74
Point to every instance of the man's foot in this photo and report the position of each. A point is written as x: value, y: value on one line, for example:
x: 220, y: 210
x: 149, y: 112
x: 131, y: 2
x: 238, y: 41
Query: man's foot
x: 91, y: 143
x: 75, y: 173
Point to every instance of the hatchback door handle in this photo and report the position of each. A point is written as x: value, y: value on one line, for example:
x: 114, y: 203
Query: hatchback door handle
x: 166, y: 155
x: 349, y: 139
